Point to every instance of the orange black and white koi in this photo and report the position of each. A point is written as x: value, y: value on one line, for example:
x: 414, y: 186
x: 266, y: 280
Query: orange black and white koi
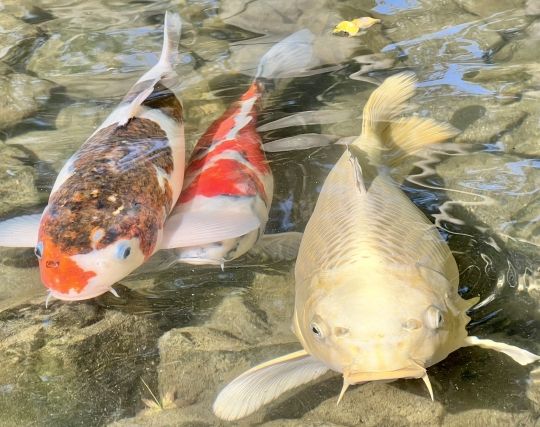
x: 110, y: 201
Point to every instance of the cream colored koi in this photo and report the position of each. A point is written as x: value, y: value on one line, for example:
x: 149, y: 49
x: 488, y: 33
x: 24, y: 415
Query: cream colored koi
x: 376, y: 285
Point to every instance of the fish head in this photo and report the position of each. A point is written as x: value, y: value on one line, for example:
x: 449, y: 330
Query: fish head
x: 380, y: 331
x: 81, y: 259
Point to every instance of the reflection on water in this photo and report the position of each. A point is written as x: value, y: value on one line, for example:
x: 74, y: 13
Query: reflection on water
x: 187, y: 331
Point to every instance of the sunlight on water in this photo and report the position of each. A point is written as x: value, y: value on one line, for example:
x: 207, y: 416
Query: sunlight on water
x: 174, y: 337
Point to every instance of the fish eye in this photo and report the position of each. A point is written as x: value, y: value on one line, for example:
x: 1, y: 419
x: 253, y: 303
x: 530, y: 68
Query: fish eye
x: 123, y: 251
x: 316, y: 329
x: 434, y: 317
x: 38, y: 250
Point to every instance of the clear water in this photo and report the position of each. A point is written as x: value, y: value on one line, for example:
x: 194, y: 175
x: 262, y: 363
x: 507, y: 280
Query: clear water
x: 183, y: 333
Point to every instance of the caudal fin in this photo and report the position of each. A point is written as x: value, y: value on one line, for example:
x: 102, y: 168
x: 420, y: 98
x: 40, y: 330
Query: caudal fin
x: 388, y: 139
x: 171, y: 38
x: 162, y: 72
x: 172, y: 28
x: 292, y: 55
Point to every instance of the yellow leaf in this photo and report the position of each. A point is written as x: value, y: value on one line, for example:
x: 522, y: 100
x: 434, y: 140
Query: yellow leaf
x: 351, y: 28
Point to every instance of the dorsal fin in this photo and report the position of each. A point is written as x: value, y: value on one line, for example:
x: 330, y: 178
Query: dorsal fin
x: 387, y: 140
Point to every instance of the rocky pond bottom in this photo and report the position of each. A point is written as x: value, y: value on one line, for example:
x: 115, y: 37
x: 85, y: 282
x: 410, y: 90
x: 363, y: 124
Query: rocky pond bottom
x: 159, y: 354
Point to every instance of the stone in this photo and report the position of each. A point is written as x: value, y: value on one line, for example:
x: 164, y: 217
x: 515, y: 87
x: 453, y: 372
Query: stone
x: 484, y: 417
x: 522, y: 50
x: 532, y: 7
x: 107, y: 70
x: 22, y: 96
x: 499, y: 190
x: 283, y: 19
x: 74, y: 124
x: 533, y: 389
x: 21, y: 282
x: 488, y: 8
x: 69, y: 355
x: 17, y: 186
x: 17, y: 39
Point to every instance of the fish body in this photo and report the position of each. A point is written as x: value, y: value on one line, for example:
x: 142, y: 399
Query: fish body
x: 108, y: 206
x: 228, y: 179
x: 228, y: 172
x: 376, y: 285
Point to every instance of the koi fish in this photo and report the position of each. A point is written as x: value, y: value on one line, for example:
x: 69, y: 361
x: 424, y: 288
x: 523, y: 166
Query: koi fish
x: 108, y: 206
x: 376, y: 285
x: 228, y: 185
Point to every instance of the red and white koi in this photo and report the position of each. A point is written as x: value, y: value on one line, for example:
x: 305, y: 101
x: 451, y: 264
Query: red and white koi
x: 228, y: 184
x: 110, y: 201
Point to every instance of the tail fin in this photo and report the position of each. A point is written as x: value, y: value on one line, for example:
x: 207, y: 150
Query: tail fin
x: 162, y: 72
x: 290, y: 56
x: 387, y: 139
x: 171, y: 38
x: 172, y: 28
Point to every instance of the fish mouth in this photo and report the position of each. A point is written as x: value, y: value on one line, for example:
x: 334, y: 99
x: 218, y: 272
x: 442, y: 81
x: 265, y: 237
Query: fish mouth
x: 355, y: 377
x: 351, y: 377
x: 75, y: 296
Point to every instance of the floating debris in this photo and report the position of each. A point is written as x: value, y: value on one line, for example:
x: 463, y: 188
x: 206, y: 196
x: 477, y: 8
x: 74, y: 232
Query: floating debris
x: 352, y: 28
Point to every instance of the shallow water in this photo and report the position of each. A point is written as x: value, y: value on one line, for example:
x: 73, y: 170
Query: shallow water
x: 180, y: 335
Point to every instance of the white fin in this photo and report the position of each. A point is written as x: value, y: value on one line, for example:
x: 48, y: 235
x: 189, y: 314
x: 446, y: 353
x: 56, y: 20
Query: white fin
x: 172, y: 29
x: 171, y: 38
x: 523, y: 357
x: 265, y: 382
x: 305, y: 118
x: 163, y: 70
x: 290, y: 56
x: 300, y: 142
x: 20, y: 232
x: 198, y: 228
x: 277, y: 247
x: 385, y: 138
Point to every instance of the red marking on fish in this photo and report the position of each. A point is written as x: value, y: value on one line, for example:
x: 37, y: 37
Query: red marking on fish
x: 59, y: 272
x: 228, y: 159
x: 239, y: 181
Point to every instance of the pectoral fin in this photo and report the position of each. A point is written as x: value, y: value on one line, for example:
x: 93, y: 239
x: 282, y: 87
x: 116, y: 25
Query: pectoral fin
x: 184, y: 229
x: 20, y: 232
x: 277, y: 247
x: 265, y: 382
x: 523, y: 357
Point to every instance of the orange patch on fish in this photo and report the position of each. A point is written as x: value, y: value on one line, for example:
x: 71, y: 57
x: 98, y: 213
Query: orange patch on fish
x: 59, y: 272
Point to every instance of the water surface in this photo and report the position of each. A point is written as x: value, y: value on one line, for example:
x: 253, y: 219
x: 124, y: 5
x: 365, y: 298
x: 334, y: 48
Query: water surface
x: 177, y: 336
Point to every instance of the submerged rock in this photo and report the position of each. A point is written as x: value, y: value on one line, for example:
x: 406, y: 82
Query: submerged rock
x: 489, y: 417
x: 22, y: 96
x: 498, y: 189
x: 106, y: 70
x: 17, y: 183
x: 485, y: 8
x: 17, y: 38
x: 74, y: 124
x: 72, y: 362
